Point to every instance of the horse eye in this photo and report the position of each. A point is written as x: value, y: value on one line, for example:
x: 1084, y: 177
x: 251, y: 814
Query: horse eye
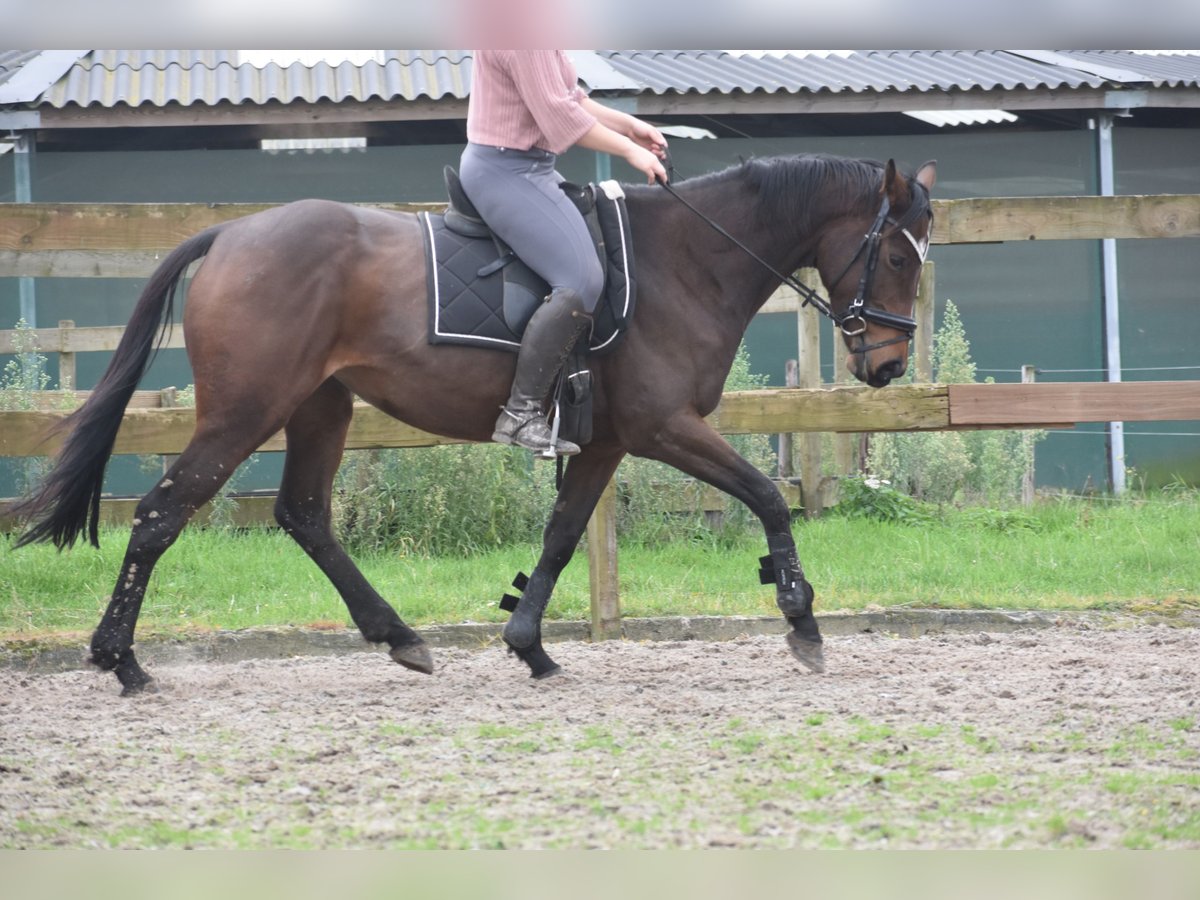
x: 896, y: 261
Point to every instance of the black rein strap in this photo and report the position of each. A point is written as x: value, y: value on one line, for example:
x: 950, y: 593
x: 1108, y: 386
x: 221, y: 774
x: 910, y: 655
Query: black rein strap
x: 854, y: 321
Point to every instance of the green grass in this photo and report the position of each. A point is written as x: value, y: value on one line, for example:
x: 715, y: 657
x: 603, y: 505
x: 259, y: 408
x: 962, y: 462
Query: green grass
x: 1135, y: 555
x: 835, y: 798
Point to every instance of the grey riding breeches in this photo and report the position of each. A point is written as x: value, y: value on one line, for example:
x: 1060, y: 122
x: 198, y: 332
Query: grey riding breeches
x: 517, y: 193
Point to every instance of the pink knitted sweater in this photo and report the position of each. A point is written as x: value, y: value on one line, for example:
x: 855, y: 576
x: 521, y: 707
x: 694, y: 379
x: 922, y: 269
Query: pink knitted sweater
x: 526, y: 98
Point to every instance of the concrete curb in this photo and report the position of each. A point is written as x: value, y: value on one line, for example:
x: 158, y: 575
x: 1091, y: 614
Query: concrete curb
x: 62, y: 655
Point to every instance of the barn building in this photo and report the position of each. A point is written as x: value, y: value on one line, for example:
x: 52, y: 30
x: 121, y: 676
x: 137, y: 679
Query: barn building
x: 370, y: 126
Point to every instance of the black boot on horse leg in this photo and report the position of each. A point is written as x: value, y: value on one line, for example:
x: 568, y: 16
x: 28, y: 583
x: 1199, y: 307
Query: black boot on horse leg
x: 586, y: 477
x: 794, y: 597
x: 523, y: 631
x: 549, y: 337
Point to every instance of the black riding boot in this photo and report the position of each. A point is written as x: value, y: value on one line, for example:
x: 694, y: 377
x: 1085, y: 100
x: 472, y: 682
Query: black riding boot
x: 549, y: 337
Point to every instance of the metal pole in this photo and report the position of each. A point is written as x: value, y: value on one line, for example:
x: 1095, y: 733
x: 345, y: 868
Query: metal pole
x: 1112, y: 322
x: 23, y: 193
x: 603, y: 167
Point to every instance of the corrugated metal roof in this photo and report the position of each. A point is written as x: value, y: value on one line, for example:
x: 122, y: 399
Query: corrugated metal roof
x: 207, y: 77
x: 1159, y: 70
x: 12, y: 60
x: 108, y: 78
x: 690, y: 71
x: 27, y: 73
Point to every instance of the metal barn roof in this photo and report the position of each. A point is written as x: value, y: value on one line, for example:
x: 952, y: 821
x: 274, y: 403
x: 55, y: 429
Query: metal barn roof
x: 684, y: 71
x: 158, y: 77
x: 132, y: 78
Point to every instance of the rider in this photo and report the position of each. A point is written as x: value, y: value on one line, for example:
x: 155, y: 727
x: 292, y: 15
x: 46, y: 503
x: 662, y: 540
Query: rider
x: 525, y: 108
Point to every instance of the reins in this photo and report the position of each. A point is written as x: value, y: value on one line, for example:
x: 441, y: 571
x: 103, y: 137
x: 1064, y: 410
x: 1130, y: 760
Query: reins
x: 853, y: 322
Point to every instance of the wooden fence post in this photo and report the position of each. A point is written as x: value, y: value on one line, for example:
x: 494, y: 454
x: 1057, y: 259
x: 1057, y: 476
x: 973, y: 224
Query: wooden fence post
x: 844, y: 443
x: 808, y: 326
x: 1028, y: 376
x: 168, y: 399
x: 786, y: 467
x: 923, y: 340
x: 602, y: 566
x: 66, y: 358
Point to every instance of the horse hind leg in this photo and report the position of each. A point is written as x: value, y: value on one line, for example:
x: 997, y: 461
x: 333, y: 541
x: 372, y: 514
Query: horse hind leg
x: 316, y: 436
x: 199, y: 472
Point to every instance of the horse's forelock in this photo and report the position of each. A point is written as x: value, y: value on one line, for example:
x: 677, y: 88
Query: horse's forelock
x: 919, y: 207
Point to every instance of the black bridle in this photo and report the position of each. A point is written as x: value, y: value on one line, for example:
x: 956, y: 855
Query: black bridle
x: 853, y: 322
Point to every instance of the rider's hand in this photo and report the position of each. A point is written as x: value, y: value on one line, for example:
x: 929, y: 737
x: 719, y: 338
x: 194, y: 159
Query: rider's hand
x: 646, y: 135
x: 647, y: 163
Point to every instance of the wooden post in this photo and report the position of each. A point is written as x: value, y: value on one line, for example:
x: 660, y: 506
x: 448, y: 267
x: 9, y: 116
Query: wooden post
x: 808, y: 324
x: 786, y: 464
x: 843, y: 442
x: 602, y: 566
x: 923, y: 313
x: 168, y: 399
x: 66, y: 358
x: 1028, y: 376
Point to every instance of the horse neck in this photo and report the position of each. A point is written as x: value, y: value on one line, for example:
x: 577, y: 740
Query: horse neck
x: 743, y: 284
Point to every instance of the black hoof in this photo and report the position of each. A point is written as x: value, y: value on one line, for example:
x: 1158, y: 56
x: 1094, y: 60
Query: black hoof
x: 149, y: 686
x: 539, y: 662
x: 133, y: 678
x: 414, y: 656
x: 809, y: 652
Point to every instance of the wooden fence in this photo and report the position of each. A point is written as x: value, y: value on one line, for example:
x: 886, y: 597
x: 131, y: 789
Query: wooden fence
x: 835, y: 409
x: 129, y: 240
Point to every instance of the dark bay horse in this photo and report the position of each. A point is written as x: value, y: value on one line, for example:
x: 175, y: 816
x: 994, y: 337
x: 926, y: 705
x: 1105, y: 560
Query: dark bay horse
x: 297, y: 309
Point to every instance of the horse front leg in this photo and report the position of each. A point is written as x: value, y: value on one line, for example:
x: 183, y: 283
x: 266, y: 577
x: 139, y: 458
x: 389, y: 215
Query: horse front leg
x: 586, y: 477
x: 689, y: 444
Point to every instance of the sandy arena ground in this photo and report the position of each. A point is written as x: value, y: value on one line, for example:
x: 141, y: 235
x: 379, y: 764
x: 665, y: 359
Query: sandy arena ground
x: 1067, y: 736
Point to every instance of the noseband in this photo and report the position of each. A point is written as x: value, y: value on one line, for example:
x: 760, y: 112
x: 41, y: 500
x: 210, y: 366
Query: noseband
x: 853, y: 322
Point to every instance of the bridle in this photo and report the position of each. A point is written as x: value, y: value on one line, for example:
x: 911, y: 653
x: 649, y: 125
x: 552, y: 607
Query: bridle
x: 853, y: 322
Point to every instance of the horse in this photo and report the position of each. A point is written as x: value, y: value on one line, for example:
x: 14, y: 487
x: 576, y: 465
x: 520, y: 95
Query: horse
x: 296, y: 309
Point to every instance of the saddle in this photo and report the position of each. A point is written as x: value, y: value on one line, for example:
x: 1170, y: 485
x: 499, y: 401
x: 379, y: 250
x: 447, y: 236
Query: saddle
x: 482, y: 294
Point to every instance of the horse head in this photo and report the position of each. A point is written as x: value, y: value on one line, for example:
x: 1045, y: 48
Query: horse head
x: 870, y: 262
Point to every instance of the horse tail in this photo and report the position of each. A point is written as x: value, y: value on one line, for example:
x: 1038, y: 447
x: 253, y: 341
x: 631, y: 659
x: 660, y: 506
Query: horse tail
x: 68, y: 499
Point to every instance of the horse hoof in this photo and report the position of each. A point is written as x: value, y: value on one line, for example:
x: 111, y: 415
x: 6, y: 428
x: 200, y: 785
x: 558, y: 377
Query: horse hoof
x: 149, y: 686
x: 540, y: 664
x: 810, y: 653
x: 413, y: 656
x: 553, y: 669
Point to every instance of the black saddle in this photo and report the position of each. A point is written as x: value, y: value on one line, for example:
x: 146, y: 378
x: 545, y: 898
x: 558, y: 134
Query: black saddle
x: 461, y: 215
x: 481, y: 294
x: 475, y: 307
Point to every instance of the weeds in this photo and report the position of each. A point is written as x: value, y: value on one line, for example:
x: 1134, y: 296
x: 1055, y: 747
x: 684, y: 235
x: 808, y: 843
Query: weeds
x: 954, y: 467
x: 22, y: 378
x: 456, y: 500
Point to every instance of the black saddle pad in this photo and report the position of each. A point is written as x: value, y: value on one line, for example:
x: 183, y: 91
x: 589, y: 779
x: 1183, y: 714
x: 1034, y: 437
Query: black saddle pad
x: 468, y: 308
x: 464, y: 308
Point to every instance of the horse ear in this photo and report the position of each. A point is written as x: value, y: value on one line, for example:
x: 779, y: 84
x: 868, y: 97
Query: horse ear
x: 895, y: 186
x: 927, y: 175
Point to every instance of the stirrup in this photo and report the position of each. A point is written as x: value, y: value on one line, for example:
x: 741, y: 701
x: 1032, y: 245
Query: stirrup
x: 550, y: 449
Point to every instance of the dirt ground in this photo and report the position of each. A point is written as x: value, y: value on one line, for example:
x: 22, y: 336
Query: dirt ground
x: 1067, y: 736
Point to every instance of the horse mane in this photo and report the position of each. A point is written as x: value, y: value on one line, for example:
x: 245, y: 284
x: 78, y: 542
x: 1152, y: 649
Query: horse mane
x: 802, y: 189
